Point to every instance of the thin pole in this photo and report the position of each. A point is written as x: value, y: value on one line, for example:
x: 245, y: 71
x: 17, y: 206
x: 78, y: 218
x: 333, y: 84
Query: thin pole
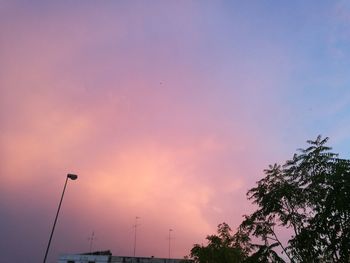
x: 169, y: 243
x: 91, y: 239
x: 135, y: 226
x: 54, y: 224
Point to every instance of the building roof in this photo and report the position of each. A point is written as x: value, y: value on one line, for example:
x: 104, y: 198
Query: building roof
x: 107, y: 257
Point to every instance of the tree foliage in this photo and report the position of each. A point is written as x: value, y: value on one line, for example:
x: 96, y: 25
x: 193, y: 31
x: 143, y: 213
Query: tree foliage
x: 310, y: 195
x: 221, y: 248
x: 226, y: 247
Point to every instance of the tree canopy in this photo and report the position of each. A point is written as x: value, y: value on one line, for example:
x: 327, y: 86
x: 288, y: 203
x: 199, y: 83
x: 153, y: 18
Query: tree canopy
x: 221, y: 248
x: 310, y: 196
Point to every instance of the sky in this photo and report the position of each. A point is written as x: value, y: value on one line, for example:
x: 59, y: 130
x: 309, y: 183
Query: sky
x: 166, y: 110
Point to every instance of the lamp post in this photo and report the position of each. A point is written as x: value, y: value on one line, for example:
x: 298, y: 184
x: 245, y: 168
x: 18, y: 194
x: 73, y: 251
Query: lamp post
x: 69, y: 176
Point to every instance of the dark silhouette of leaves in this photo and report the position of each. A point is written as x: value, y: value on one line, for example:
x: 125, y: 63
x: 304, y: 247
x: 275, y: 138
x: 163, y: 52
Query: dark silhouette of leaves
x: 310, y: 195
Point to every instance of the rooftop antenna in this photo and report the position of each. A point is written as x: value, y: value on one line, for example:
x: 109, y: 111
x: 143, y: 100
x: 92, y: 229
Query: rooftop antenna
x: 91, y: 239
x: 170, y: 238
x: 135, y: 228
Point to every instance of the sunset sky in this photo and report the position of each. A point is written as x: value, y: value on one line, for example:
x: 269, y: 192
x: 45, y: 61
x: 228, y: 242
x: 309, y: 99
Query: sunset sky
x: 166, y: 110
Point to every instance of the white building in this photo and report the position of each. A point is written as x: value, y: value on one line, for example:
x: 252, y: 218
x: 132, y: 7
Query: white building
x: 95, y: 257
x: 106, y: 257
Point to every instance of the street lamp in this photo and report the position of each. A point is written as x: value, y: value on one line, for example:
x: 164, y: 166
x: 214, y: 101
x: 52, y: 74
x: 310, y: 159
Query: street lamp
x: 69, y: 176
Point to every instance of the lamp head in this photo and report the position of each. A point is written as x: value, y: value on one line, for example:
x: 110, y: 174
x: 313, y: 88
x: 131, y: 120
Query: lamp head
x: 72, y: 176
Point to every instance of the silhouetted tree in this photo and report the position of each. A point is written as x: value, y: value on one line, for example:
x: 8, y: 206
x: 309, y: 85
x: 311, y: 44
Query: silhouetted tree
x: 221, y: 248
x: 310, y: 195
x: 233, y: 248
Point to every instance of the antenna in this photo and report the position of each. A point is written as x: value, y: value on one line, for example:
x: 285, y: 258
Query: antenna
x: 135, y: 228
x: 91, y: 239
x: 170, y: 238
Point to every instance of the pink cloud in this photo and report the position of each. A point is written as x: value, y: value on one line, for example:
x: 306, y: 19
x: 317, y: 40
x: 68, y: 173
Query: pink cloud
x: 151, y: 127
